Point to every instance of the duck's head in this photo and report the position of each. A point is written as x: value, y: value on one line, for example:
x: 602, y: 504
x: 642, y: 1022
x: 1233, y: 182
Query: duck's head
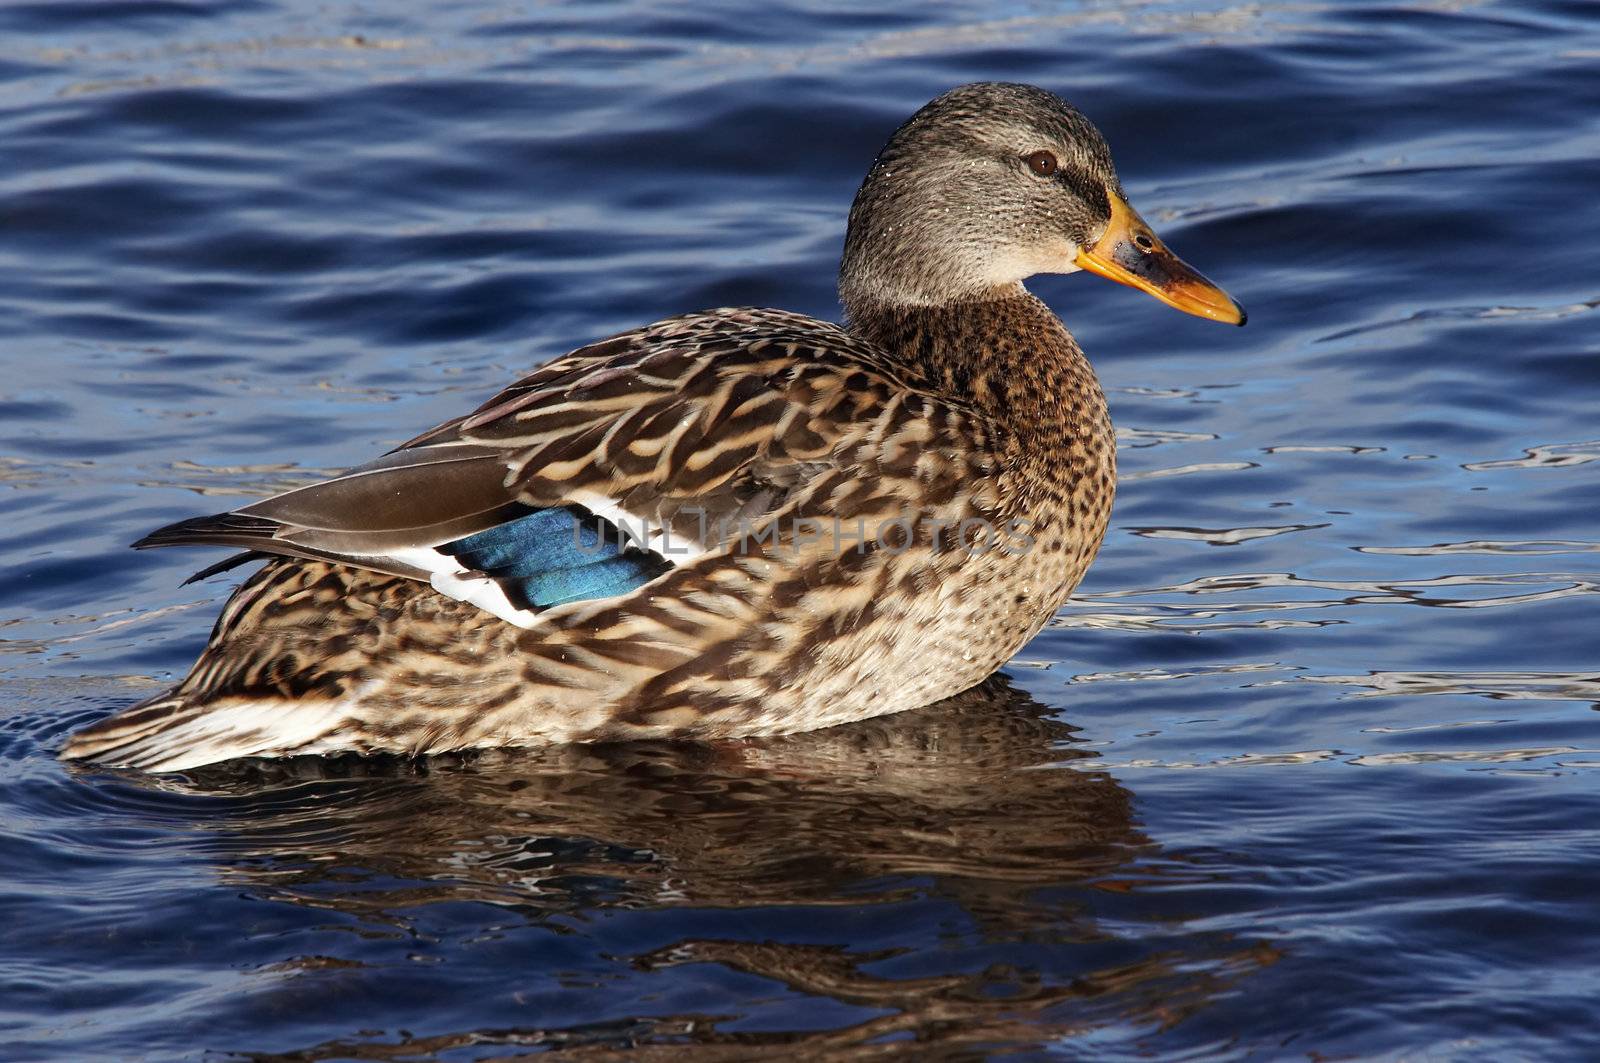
x: 992, y: 183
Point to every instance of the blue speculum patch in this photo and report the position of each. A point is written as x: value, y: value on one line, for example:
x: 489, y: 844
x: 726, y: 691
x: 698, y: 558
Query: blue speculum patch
x: 553, y: 556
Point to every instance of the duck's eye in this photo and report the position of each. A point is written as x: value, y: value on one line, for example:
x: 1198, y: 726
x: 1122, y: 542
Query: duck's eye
x: 1042, y: 163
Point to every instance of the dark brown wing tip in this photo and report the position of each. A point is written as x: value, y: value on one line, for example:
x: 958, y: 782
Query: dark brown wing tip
x: 220, y: 529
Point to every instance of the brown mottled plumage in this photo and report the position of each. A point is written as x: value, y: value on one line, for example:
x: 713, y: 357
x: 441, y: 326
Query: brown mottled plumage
x: 867, y: 519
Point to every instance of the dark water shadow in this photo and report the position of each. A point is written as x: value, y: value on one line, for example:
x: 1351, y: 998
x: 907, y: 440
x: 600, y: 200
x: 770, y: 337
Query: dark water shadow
x: 981, y: 806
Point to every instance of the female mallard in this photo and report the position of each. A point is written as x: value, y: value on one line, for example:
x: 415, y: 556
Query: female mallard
x: 731, y: 523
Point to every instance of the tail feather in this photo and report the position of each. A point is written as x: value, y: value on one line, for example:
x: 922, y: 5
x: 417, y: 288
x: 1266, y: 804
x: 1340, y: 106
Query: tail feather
x: 175, y: 733
x: 129, y: 739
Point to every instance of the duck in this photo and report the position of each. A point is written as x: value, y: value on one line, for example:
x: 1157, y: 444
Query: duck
x: 728, y: 524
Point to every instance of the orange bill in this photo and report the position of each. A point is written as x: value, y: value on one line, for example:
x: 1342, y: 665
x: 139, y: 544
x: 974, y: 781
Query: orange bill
x: 1130, y: 253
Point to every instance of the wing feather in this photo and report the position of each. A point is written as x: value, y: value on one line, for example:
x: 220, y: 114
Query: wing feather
x: 703, y: 418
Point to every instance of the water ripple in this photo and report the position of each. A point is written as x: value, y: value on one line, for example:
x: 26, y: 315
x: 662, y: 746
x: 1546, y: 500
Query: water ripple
x: 1469, y: 313
x: 1088, y: 610
x: 1510, y: 686
x: 1546, y: 456
x: 1189, y: 470
x: 1487, y: 546
x: 1222, y: 536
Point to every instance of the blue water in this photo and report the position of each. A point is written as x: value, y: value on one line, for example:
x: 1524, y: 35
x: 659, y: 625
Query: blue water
x: 1307, y: 770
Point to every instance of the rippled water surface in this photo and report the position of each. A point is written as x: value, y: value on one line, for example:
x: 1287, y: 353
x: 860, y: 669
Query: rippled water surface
x: 1307, y: 770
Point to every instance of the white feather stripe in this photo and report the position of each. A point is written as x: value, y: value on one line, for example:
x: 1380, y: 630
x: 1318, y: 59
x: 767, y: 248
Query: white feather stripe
x: 446, y: 576
x: 483, y: 592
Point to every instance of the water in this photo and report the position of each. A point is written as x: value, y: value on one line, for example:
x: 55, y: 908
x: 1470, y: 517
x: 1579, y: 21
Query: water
x: 1307, y: 770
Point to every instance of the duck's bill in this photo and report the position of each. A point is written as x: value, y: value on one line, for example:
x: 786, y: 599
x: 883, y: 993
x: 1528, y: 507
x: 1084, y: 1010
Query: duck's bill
x: 1130, y: 253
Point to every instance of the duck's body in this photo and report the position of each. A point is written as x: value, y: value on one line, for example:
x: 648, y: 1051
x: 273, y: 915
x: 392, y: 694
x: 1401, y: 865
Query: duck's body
x: 824, y: 524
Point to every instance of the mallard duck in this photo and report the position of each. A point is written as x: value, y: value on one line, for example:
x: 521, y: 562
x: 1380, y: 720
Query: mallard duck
x: 732, y: 523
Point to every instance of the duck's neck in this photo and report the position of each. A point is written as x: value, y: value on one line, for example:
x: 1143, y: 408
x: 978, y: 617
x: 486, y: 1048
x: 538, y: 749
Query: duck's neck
x: 1008, y: 354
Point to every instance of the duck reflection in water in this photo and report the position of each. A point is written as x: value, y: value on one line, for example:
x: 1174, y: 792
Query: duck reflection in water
x: 981, y: 802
